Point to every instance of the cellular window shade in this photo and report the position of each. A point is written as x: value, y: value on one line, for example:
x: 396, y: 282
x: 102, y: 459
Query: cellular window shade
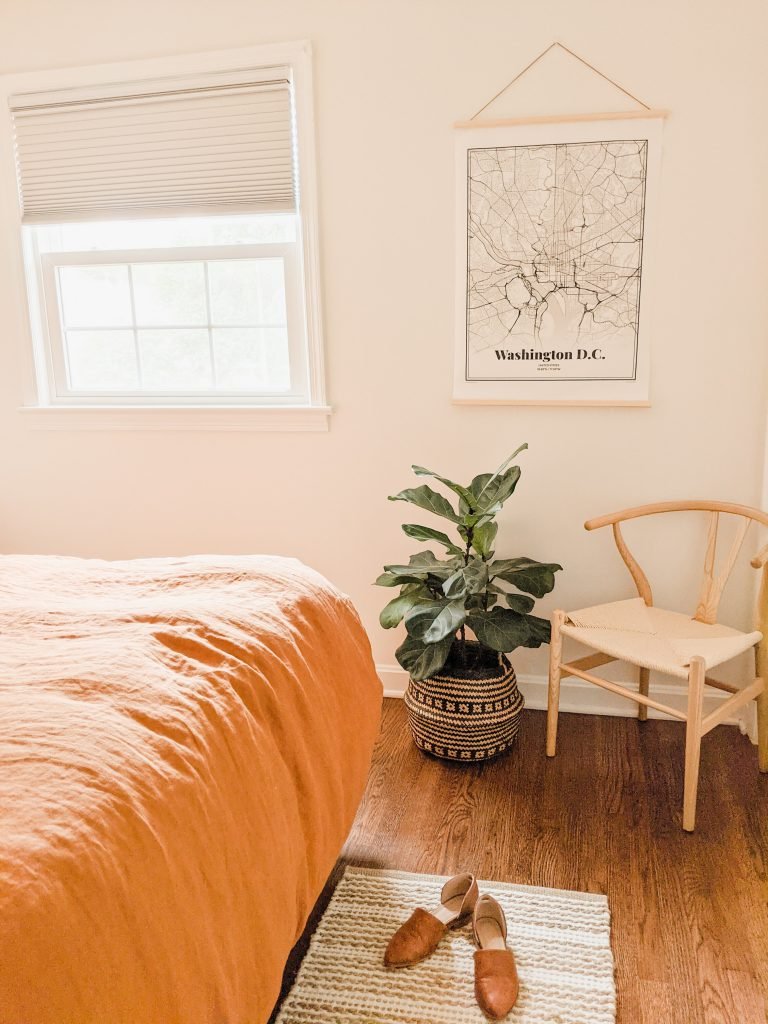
x: 224, y: 144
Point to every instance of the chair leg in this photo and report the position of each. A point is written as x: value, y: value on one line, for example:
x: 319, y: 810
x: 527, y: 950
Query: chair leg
x: 761, y: 670
x: 645, y: 678
x: 762, y: 729
x: 696, y: 676
x: 553, y: 697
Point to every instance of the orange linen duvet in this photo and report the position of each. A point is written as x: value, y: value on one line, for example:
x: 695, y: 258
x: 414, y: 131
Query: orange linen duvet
x: 183, y: 745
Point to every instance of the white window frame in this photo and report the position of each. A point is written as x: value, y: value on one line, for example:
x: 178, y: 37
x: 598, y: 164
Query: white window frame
x: 42, y: 405
x: 56, y: 355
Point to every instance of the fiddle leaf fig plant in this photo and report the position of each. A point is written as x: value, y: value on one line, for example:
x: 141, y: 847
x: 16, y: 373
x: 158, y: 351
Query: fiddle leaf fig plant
x: 440, y: 599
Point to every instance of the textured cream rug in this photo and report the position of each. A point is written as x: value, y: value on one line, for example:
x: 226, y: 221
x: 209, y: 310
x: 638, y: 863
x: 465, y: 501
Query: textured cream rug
x: 561, y: 941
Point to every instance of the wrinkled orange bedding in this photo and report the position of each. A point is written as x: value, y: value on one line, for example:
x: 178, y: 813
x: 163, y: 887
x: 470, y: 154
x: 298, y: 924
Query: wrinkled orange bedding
x: 183, y: 744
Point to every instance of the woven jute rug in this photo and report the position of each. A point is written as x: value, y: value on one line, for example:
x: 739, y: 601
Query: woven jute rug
x: 561, y: 941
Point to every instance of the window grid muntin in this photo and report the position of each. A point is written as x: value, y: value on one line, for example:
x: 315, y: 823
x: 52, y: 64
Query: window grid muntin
x: 208, y: 317
x: 136, y: 348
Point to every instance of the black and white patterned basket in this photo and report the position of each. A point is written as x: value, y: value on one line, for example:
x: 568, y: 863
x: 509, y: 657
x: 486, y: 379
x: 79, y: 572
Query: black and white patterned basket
x: 465, y: 716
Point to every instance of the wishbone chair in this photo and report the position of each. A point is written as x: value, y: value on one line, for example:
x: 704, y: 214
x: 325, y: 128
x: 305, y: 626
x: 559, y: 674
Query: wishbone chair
x: 683, y: 646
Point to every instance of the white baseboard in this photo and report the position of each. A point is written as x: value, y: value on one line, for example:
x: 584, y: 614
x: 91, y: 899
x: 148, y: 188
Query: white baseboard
x: 586, y: 699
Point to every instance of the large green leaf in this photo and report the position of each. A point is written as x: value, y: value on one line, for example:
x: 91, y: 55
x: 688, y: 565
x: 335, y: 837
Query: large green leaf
x: 540, y: 630
x: 427, y: 558
x: 502, y: 565
x: 485, y: 486
x: 469, y: 579
x: 483, y: 537
x: 392, y: 613
x: 526, y: 574
x: 520, y: 603
x: 477, y: 485
x: 415, y: 588
x: 417, y: 532
x: 432, y: 621
x: 388, y: 579
x: 424, y: 497
x: 501, y: 629
x: 425, y: 564
x: 537, y: 581
x: 463, y: 492
x: 495, y: 490
x: 422, y: 660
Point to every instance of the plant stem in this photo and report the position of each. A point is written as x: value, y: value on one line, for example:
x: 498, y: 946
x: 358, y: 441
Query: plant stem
x: 462, y: 631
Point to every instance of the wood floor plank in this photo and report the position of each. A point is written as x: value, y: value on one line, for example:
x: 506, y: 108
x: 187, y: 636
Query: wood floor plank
x: 657, y: 1003
x: 689, y: 912
x: 748, y: 1000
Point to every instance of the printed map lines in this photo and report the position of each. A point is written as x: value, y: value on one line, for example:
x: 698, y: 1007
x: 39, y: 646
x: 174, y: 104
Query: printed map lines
x: 555, y: 244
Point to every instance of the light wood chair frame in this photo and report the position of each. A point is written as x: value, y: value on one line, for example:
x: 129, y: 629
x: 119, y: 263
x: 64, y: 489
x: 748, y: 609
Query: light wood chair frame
x: 697, y: 724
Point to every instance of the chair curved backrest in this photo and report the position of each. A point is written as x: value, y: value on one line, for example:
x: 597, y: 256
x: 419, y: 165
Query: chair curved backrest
x: 712, y: 586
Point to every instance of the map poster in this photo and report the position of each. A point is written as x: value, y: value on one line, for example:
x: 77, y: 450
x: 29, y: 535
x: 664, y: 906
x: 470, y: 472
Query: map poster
x: 555, y: 226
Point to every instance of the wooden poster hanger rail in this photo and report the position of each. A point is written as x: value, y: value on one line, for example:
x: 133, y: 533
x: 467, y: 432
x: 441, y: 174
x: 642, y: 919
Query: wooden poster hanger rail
x: 646, y: 111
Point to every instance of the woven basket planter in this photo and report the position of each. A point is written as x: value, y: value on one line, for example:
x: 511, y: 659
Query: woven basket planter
x: 465, y: 715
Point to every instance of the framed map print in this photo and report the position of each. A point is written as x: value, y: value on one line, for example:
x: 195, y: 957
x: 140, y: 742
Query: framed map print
x: 555, y: 236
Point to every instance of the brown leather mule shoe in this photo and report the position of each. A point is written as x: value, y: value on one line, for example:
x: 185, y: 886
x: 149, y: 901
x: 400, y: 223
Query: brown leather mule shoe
x: 496, y: 982
x: 420, y: 936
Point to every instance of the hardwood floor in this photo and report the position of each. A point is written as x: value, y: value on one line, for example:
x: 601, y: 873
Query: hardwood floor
x: 689, y: 911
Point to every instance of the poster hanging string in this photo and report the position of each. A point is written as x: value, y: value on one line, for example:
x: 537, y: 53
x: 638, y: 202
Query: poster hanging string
x: 536, y: 60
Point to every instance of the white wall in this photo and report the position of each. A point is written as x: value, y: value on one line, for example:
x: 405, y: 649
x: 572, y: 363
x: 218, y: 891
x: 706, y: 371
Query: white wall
x: 391, y: 77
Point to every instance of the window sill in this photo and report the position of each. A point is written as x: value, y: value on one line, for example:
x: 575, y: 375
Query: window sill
x: 162, y: 418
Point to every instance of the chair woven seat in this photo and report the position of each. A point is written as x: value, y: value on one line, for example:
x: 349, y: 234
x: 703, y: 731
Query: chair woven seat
x: 655, y: 638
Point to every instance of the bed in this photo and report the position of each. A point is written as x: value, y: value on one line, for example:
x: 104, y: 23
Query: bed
x: 183, y: 745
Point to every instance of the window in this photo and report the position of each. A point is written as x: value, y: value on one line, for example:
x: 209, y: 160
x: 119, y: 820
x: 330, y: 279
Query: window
x: 168, y: 240
x: 174, y: 320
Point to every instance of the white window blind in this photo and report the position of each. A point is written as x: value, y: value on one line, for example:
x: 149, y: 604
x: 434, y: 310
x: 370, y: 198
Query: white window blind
x: 219, y: 144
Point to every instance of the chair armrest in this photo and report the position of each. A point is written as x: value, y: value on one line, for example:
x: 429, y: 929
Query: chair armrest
x: 595, y: 524
x: 760, y: 558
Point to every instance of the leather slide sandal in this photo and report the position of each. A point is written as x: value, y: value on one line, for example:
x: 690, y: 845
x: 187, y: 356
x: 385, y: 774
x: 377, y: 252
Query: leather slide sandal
x: 421, y: 934
x: 496, y: 981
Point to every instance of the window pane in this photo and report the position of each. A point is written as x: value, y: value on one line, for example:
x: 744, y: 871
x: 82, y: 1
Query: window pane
x: 95, y: 296
x: 102, y: 361
x: 169, y: 293
x: 245, y: 229
x: 175, y: 360
x: 185, y: 327
x: 251, y: 358
x: 247, y: 292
